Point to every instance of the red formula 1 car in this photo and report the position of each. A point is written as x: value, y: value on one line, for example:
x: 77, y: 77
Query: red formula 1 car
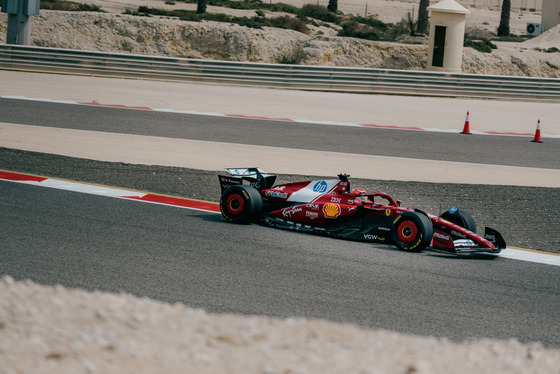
x: 331, y: 207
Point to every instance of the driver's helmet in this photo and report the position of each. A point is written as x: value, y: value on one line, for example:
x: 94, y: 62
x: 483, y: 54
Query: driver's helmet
x: 360, y: 194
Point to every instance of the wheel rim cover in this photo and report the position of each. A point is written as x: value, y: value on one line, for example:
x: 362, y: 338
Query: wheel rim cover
x: 407, y: 232
x: 235, y: 204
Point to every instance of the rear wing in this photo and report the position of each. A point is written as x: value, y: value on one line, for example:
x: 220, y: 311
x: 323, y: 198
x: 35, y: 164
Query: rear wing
x: 254, y: 177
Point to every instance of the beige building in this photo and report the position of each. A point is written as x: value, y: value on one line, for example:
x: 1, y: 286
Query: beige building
x: 550, y: 14
x: 447, y: 31
x: 524, y: 5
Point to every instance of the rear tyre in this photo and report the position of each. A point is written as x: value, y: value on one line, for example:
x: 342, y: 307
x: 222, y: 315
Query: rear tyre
x: 460, y: 218
x: 412, y: 232
x: 241, y: 204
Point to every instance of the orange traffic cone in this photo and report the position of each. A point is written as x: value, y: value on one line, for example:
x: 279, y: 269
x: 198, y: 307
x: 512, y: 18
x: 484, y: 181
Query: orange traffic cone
x: 467, y: 128
x: 537, y: 138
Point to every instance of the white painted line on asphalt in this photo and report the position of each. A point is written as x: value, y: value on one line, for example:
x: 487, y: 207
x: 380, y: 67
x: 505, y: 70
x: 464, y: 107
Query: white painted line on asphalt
x: 87, y: 188
x: 530, y: 256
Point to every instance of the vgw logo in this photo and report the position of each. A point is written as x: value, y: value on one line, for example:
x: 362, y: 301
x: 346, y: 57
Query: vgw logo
x: 320, y: 186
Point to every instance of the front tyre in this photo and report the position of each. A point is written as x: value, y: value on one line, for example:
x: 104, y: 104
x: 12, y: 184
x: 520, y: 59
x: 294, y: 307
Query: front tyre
x: 412, y: 232
x: 241, y: 204
x: 460, y: 218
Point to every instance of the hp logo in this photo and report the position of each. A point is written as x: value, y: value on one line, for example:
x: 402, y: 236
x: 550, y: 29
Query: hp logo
x: 320, y: 187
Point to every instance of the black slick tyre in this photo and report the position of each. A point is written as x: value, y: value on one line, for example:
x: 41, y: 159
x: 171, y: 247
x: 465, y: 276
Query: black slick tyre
x: 412, y: 232
x: 241, y: 204
x: 460, y: 218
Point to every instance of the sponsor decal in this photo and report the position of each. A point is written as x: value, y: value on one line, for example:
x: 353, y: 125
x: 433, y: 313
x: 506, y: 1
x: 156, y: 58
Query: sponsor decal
x: 492, y: 238
x: 288, y: 212
x: 453, y: 210
x: 280, y: 195
x: 320, y: 187
x: 331, y: 210
x: 336, y: 200
x: 387, y: 212
x: 312, y: 206
x: 229, y: 180
x: 279, y: 188
x: 311, y: 215
x: 374, y: 237
x: 350, y: 201
x: 382, y: 228
x: 441, y: 236
x: 458, y: 234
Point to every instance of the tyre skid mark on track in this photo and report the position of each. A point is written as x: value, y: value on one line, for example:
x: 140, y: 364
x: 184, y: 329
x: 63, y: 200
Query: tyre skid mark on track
x: 206, y: 206
x: 350, y: 124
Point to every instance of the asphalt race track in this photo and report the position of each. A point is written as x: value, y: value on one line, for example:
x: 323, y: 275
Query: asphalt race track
x: 501, y: 150
x: 98, y: 243
x: 170, y: 254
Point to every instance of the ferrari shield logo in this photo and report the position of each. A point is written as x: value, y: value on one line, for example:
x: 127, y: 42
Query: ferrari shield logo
x: 388, y: 212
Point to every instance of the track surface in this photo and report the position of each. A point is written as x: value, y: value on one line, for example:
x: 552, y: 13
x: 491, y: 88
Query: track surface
x: 498, y: 150
x: 91, y: 242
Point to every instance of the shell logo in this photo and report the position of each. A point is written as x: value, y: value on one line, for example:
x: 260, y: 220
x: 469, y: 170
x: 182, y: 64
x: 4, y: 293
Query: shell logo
x: 331, y: 210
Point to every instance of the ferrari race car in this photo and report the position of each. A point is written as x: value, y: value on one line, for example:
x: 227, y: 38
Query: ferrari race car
x: 331, y: 207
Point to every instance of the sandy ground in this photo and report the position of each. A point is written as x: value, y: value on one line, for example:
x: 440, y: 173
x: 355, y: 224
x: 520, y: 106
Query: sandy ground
x: 58, y: 330
x: 389, y: 11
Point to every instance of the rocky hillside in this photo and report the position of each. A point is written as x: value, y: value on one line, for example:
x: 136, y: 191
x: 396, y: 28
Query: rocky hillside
x: 212, y: 40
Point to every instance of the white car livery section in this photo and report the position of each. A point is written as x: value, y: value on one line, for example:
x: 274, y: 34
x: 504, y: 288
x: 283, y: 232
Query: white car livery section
x: 314, y: 190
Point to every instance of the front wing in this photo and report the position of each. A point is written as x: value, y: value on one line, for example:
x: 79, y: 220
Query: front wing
x: 456, y: 239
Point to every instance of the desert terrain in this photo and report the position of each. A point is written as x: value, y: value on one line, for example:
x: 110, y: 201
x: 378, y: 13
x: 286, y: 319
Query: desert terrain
x: 165, y: 36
